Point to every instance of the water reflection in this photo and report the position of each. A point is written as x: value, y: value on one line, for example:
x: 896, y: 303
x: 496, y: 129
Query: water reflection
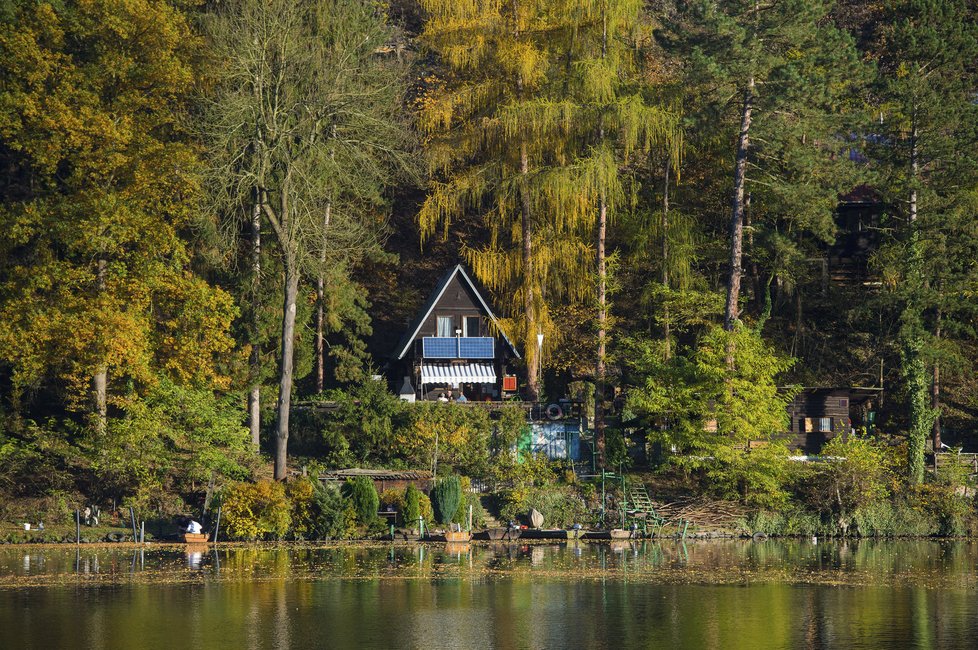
x: 507, y: 595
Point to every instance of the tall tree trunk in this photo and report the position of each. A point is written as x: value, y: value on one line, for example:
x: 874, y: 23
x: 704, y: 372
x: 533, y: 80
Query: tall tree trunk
x: 529, y: 306
x: 737, y: 213
x: 600, y: 370
x: 666, y: 324
x: 320, y: 307
x: 912, y: 331
x: 254, y: 393
x: 935, y: 394
x: 285, y: 377
x: 602, y: 228
x: 100, y: 380
x: 291, y: 264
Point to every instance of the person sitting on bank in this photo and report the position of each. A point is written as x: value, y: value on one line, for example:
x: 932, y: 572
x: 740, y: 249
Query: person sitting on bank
x: 462, y: 398
x: 451, y: 398
x: 442, y: 398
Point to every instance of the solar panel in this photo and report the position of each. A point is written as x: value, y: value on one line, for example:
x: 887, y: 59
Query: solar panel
x: 476, y: 347
x: 439, y: 347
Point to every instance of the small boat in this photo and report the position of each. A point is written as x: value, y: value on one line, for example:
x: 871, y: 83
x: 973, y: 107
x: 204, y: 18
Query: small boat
x: 458, y: 536
x: 553, y: 533
x: 497, y: 534
x: 620, y: 533
x: 196, y: 538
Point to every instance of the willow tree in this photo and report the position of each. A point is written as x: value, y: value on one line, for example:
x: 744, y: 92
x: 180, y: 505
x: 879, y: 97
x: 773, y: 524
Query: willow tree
x: 927, y: 51
x: 618, y: 113
x: 304, y: 126
x: 513, y: 133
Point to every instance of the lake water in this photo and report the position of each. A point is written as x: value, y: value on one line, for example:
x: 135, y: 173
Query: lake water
x: 718, y: 594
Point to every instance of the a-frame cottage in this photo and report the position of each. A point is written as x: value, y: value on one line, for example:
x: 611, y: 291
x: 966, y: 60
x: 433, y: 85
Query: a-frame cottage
x: 454, y: 346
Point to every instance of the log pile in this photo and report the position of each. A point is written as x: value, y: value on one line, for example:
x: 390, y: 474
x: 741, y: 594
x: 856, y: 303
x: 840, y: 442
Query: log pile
x: 702, y: 512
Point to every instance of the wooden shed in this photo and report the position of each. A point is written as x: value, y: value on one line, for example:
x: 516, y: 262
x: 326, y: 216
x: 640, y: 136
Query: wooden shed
x: 384, y: 479
x: 819, y: 414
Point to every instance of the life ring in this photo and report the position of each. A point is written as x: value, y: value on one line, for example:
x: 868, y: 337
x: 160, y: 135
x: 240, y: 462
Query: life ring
x: 554, y: 412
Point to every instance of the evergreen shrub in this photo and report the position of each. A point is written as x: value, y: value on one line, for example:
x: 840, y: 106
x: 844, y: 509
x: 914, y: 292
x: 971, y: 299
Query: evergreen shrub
x: 446, y: 498
x: 363, y: 497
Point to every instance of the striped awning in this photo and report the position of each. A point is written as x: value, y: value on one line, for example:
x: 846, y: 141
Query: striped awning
x: 457, y: 373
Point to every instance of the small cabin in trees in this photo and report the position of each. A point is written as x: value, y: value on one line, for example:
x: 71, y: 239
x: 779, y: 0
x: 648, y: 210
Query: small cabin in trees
x: 820, y: 414
x: 454, y: 346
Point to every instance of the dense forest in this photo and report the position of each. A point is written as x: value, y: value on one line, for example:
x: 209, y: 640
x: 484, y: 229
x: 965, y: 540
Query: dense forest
x: 213, y: 211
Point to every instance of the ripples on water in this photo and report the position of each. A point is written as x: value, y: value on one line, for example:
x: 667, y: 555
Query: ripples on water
x: 729, y: 594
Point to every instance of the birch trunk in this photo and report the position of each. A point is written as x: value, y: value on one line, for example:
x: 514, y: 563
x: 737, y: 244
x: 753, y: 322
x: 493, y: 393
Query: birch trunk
x: 254, y: 393
x: 100, y: 380
x: 320, y: 343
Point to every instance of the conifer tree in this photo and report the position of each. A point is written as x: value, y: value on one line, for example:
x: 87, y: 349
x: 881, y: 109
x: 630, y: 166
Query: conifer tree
x: 514, y: 132
x: 783, y: 79
x: 929, y: 144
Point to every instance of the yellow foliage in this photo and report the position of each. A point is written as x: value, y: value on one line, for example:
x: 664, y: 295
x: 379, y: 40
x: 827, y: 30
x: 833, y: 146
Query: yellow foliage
x: 256, y: 510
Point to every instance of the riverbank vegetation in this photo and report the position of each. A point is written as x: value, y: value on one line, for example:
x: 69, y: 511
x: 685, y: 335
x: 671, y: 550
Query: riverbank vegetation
x: 216, y: 219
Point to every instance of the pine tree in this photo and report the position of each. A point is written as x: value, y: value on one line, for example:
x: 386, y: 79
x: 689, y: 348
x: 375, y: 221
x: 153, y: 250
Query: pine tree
x: 783, y: 79
x: 928, y: 141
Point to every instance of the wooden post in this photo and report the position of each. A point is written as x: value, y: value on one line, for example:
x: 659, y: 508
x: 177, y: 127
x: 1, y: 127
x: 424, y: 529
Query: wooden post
x: 217, y: 526
x: 132, y: 519
x: 77, y: 526
x: 142, y: 532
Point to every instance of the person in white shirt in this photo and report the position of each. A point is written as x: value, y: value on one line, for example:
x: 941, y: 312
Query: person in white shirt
x: 194, y: 528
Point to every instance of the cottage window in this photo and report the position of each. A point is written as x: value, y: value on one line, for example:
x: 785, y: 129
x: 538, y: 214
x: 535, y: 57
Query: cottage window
x: 817, y: 425
x: 445, y: 326
x: 471, y: 326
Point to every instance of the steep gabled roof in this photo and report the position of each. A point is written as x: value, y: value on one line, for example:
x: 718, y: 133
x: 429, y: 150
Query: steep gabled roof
x: 405, y: 344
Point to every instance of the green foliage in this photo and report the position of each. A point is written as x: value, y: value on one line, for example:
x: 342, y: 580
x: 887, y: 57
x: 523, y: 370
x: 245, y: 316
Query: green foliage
x: 446, y: 497
x: 929, y: 172
x: 362, y: 430
x: 790, y: 522
x: 715, y: 411
x: 102, y: 196
x: 892, y: 519
x: 854, y: 475
x: 412, y: 505
x: 363, y: 497
x: 759, y: 476
x: 254, y: 511
x: 327, y: 514
x: 301, y: 494
x: 170, y: 440
x: 455, y: 435
x: 560, y: 505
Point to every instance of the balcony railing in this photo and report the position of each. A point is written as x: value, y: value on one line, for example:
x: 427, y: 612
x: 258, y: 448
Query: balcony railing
x: 458, y: 347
